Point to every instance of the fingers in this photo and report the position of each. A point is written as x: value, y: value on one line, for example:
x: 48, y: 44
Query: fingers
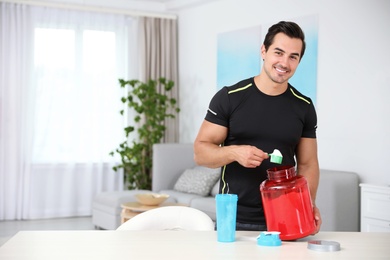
x: 250, y: 156
x: 317, y: 218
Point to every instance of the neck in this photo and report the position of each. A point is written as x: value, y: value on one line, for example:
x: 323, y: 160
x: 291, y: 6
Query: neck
x: 269, y: 87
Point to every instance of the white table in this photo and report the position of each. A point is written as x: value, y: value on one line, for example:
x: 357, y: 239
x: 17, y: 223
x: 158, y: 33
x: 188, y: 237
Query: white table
x: 198, y: 245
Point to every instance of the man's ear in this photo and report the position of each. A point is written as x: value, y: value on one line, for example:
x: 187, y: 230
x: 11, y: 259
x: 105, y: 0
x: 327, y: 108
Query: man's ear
x: 263, y: 51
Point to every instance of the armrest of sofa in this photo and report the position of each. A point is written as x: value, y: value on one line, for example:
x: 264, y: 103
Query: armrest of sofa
x: 338, y: 200
x: 169, y: 162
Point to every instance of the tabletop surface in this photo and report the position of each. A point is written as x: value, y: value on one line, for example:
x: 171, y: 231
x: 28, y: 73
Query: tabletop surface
x: 101, y: 244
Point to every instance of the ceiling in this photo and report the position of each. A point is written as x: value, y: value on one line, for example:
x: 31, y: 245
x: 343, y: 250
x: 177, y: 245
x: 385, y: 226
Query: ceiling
x: 154, y: 8
x: 154, y: 5
x: 159, y: 6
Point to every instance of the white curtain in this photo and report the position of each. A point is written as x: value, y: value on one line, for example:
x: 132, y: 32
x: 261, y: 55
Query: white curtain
x: 59, y: 108
x: 159, y: 58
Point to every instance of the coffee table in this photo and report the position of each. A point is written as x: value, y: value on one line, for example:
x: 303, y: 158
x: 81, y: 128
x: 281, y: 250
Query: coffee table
x: 131, y: 209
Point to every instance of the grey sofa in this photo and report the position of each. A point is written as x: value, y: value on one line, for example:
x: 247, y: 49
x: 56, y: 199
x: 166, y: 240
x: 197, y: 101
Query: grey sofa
x: 169, y: 162
x: 337, y: 196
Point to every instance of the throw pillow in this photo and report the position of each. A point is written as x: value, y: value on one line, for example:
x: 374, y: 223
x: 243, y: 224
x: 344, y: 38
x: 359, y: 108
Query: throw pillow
x: 198, y: 180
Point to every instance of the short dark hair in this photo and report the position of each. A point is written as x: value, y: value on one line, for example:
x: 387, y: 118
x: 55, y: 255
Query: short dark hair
x: 291, y: 29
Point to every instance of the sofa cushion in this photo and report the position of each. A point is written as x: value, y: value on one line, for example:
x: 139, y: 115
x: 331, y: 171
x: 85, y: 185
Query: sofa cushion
x: 215, y: 189
x: 110, y: 202
x: 198, y: 180
x: 181, y: 197
x: 205, y: 204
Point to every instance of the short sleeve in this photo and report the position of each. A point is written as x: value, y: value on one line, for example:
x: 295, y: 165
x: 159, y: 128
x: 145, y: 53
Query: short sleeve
x: 310, y: 127
x: 218, y: 110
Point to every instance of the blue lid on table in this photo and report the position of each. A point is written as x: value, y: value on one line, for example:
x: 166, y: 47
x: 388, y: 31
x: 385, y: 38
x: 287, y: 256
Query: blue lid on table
x: 269, y: 238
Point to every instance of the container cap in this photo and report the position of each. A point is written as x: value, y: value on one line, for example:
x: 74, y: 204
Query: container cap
x: 323, y: 245
x: 269, y: 239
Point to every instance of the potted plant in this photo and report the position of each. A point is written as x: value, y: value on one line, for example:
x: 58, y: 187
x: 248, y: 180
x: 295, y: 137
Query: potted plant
x: 151, y: 108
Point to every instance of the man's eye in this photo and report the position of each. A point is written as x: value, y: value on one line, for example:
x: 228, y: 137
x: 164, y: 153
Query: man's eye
x: 294, y: 57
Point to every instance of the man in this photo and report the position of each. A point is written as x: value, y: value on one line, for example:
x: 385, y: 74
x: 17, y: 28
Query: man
x: 250, y: 119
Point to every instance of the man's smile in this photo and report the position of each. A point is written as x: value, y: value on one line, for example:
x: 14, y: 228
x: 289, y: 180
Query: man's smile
x: 281, y: 69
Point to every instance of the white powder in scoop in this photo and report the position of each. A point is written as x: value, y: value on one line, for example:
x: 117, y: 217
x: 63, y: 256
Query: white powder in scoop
x: 276, y: 152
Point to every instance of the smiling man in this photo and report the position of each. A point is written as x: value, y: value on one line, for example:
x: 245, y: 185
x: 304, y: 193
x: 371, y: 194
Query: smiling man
x: 248, y: 120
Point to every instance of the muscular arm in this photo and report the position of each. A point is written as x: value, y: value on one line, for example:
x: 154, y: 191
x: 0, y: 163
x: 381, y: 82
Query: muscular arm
x: 209, y: 152
x: 307, y: 165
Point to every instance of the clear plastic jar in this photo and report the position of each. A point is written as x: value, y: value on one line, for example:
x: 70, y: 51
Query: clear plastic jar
x: 287, y: 203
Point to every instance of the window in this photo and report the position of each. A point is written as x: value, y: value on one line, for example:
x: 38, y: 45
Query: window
x: 78, y: 96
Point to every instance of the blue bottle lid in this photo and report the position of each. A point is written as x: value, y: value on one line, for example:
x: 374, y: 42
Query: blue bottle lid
x: 269, y: 238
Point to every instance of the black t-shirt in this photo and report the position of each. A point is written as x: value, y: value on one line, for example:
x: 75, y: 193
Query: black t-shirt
x: 267, y: 122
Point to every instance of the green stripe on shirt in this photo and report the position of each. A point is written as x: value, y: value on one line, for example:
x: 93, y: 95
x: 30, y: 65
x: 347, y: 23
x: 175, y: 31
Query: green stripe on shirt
x: 302, y: 98
x: 239, y: 89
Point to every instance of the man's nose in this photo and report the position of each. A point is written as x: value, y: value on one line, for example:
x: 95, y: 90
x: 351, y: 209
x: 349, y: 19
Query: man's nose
x: 284, y: 60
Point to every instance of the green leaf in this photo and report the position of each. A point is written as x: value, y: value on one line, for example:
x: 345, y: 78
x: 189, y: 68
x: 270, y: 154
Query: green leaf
x: 150, y: 109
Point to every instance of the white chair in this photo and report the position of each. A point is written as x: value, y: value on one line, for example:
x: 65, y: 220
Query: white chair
x: 169, y: 218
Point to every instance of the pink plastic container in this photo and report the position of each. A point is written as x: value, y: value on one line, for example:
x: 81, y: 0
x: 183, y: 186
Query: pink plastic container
x: 287, y: 203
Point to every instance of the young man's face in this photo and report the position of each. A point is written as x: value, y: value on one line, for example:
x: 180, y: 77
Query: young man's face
x: 282, y: 58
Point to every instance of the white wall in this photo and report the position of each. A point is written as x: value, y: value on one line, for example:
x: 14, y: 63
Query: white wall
x: 353, y: 85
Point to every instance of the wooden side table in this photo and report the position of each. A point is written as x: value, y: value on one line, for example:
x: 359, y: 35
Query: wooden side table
x: 131, y: 209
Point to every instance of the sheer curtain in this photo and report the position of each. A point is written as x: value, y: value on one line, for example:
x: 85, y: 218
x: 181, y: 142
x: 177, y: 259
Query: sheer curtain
x: 59, y: 108
x: 158, y: 51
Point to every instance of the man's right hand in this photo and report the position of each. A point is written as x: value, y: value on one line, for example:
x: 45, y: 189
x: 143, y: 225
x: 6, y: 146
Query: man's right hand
x: 209, y: 152
x: 248, y: 156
